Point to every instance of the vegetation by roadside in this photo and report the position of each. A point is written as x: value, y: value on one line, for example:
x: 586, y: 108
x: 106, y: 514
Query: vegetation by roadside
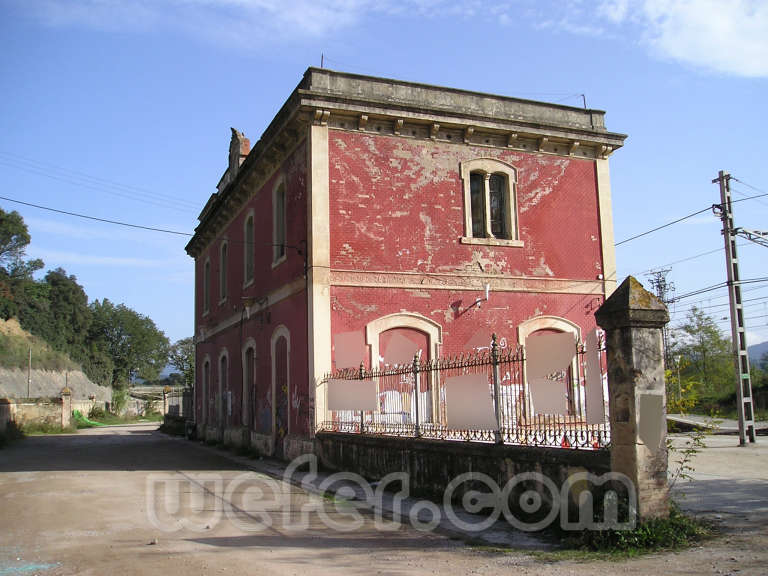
x: 12, y: 432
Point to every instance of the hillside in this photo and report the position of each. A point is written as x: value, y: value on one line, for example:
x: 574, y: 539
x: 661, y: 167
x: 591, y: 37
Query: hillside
x: 756, y: 351
x: 15, y: 343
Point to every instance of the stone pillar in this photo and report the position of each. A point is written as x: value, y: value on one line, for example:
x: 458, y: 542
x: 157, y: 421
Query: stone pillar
x: 633, y: 319
x: 66, y: 408
x: 166, y: 392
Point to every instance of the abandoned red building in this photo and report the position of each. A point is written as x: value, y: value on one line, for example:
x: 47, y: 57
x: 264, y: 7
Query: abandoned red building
x: 375, y: 219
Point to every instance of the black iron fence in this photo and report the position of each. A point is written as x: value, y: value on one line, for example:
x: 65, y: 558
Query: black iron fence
x: 411, y: 401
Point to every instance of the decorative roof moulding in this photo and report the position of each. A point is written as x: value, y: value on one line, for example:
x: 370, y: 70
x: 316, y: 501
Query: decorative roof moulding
x: 409, y: 110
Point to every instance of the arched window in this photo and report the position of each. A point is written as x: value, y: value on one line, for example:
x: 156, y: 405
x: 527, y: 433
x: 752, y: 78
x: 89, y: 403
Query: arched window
x: 248, y: 383
x: 248, y: 251
x: 490, y: 202
x: 223, y: 253
x: 224, y: 396
x: 205, y: 390
x: 279, y: 223
x: 206, y: 286
x: 280, y: 344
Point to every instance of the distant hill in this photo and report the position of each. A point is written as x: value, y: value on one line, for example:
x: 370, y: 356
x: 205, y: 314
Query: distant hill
x: 756, y: 351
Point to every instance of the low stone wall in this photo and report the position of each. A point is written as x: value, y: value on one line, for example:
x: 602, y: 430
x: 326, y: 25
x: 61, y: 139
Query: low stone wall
x: 432, y: 464
x: 54, y: 411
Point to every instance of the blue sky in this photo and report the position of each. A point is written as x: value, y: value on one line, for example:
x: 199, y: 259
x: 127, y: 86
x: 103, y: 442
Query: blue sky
x: 121, y: 110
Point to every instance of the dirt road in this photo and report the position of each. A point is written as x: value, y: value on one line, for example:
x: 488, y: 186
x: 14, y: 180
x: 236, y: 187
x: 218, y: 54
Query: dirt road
x: 130, y: 500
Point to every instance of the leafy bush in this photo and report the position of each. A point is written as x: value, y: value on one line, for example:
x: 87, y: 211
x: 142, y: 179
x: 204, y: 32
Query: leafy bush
x: 96, y: 412
x: 119, y: 399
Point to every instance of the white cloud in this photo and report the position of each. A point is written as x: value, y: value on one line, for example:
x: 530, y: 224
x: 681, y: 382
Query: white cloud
x: 724, y: 36
x: 729, y: 36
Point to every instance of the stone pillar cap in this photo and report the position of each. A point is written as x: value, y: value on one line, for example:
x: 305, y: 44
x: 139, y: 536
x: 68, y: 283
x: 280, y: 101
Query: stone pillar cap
x: 631, y: 305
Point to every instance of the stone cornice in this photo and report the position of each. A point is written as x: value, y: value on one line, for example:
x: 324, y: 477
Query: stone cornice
x: 461, y: 281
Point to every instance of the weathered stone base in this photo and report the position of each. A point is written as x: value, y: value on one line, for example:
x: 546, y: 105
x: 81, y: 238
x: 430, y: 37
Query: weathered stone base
x: 294, y: 446
x: 237, y: 436
x: 262, y: 443
x: 212, y: 434
x: 432, y: 465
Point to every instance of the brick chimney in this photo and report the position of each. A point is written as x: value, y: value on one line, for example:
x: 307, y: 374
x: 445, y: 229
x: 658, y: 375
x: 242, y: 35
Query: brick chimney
x: 239, y: 147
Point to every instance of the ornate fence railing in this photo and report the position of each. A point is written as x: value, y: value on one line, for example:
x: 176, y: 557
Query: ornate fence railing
x: 411, y: 401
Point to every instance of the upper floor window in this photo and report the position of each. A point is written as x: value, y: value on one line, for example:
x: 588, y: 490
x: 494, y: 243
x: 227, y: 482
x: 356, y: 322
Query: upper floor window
x: 223, y: 271
x: 490, y: 202
x: 248, y: 251
x: 279, y: 223
x: 206, y: 286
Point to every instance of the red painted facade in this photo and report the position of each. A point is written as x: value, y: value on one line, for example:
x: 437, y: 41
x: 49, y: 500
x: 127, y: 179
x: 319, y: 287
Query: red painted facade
x: 256, y: 330
x: 397, y: 205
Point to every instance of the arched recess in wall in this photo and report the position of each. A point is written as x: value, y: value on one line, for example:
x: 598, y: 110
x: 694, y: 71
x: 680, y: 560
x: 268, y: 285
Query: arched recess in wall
x: 222, y: 388
x: 280, y: 347
x: 547, y: 323
x: 413, y: 321
x: 248, y: 382
x: 204, y: 389
x: 374, y: 328
x: 555, y: 323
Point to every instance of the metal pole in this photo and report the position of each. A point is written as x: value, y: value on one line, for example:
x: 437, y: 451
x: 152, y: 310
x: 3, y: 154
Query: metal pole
x: 496, y: 403
x: 679, y: 385
x: 416, y: 429
x: 738, y: 333
x: 29, y: 374
x: 362, y: 376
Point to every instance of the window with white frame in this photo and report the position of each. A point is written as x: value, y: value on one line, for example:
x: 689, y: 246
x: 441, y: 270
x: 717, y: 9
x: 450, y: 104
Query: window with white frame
x: 223, y: 255
x: 248, y: 251
x: 279, y: 223
x: 490, y: 202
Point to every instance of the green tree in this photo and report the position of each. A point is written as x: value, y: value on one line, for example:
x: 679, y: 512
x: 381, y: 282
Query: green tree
x: 69, y: 313
x: 706, y: 355
x: 135, y: 345
x: 14, y: 239
x: 182, y: 357
x: 15, y: 272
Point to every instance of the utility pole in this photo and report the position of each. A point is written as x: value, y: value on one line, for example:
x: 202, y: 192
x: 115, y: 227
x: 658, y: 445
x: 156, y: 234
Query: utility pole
x: 664, y: 290
x: 29, y: 373
x: 738, y: 333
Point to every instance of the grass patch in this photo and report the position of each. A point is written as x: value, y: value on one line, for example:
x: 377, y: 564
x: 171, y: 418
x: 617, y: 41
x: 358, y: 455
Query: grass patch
x: 113, y: 419
x: 44, y: 428
x: 673, y: 533
x: 676, y: 532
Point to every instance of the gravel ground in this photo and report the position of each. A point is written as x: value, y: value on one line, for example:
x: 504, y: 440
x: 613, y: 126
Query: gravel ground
x: 99, y: 502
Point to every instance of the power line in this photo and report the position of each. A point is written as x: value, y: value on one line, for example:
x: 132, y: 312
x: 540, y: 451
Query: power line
x: 718, y: 286
x: 117, y: 222
x: 298, y: 249
x: 759, y: 298
x: 95, y: 183
x: 691, y: 215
